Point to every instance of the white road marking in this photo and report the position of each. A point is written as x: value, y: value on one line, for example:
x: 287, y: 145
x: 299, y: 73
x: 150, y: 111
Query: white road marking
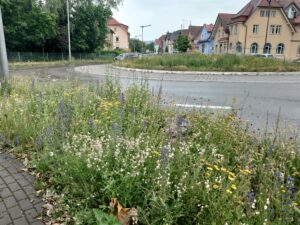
x: 204, y: 106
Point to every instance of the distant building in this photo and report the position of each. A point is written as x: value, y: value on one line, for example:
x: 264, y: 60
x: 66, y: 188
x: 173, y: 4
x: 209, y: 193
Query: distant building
x: 118, y: 36
x: 260, y: 28
x: 194, y: 36
x: 220, y: 33
x: 159, y: 44
x: 205, y: 44
x: 167, y: 41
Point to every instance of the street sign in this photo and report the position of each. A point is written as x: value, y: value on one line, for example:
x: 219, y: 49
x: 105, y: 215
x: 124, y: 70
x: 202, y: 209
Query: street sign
x: 3, y: 53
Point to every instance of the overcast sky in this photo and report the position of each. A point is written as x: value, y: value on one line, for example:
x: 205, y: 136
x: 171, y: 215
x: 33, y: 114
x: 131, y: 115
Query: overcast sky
x: 169, y: 15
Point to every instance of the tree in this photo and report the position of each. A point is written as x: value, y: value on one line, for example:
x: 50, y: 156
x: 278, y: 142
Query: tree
x: 38, y: 25
x: 150, y: 47
x: 89, y: 27
x: 182, y: 43
x: 27, y: 27
x: 135, y: 45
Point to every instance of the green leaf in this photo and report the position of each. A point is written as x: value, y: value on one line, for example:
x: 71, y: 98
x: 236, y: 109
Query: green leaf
x: 104, y: 218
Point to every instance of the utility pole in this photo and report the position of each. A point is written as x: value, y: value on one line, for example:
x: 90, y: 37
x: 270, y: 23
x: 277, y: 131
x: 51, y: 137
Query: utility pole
x: 143, y: 26
x: 3, y: 53
x: 134, y: 41
x: 69, y: 32
x: 268, y: 22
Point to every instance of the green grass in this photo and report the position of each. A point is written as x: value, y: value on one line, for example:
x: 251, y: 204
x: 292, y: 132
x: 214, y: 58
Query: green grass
x: 90, y: 142
x: 198, y: 62
x: 42, y: 64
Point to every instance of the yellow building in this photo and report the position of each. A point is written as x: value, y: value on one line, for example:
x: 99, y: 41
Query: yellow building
x: 270, y: 27
x: 118, y: 36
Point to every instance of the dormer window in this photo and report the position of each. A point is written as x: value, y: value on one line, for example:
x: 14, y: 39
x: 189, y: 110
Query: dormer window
x: 292, y: 12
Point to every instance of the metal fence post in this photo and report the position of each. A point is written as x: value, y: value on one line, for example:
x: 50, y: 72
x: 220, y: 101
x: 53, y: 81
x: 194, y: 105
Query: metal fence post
x: 3, y: 53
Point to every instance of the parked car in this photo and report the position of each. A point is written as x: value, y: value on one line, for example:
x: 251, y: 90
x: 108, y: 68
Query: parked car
x: 121, y: 56
x: 127, y: 55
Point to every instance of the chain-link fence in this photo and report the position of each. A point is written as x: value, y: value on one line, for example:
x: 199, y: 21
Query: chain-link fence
x: 55, y: 56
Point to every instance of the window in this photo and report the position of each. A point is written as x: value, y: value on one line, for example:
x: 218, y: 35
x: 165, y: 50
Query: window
x: 117, y: 39
x: 275, y: 29
x: 267, y: 48
x: 265, y: 13
x: 280, y: 49
x: 254, y: 48
x: 235, y: 29
x: 298, y: 51
x: 273, y: 13
x: 292, y: 12
x: 255, y: 29
x: 230, y: 46
x: 238, y: 47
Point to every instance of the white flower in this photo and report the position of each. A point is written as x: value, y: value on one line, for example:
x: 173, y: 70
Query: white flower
x: 51, y: 154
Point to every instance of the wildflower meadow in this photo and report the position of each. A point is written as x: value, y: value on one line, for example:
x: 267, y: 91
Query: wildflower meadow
x: 91, y: 142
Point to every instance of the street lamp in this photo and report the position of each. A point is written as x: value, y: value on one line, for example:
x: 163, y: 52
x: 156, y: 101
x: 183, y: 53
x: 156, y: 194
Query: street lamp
x: 3, y: 53
x: 144, y: 26
x: 69, y: 33
x: 267, y: 30
x: 135, y: 38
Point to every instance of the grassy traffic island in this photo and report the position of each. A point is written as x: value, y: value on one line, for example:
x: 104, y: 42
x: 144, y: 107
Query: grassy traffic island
x: 95, y: 149
x: 220, y: 63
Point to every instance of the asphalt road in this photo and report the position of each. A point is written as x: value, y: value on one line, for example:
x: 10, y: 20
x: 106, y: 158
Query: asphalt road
x: 261, y: 100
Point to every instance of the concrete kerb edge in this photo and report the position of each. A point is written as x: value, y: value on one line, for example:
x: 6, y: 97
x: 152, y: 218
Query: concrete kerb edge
x: 208, y: 72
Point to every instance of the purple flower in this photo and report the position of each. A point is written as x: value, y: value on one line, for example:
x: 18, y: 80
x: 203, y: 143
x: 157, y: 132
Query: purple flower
x: 18, y: 142
x: 164, y: 161
x: 91, y: 123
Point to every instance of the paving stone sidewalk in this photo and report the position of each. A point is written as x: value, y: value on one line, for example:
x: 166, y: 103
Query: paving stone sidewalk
x: 19, y: 204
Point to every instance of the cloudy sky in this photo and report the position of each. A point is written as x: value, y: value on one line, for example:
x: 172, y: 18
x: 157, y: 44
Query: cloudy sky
x: 169, y: 15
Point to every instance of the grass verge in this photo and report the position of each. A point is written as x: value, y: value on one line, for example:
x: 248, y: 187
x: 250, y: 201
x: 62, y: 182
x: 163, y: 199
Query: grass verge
x: 42, y: 64
x: 90, y: 142
x: 221, y: 63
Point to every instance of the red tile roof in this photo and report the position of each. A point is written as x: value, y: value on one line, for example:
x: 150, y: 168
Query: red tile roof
x: 248, y: 9
x: 113, y: 22
x: 225, y: 19
x: 194, y: 31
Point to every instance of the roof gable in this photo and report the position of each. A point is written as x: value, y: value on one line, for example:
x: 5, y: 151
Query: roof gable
x: 113, y: 22
x: 223, y: 20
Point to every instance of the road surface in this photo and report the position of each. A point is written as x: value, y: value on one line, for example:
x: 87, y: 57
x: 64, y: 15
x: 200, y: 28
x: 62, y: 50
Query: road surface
x: 261, y: 100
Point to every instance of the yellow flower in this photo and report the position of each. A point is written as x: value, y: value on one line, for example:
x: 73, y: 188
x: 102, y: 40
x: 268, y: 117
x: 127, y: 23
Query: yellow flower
x: 228, y: 191
x: 233, y: 186
x: 216, y: 186
x: 231, y: 174
x: 246, y: 172
x: 224, y: 169
x: 231, y: 178
x: 216, y: 167
x: 209, y: 168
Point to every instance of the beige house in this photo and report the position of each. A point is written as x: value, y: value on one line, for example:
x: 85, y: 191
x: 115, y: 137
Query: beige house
x: 261, y: 27
x: 118, y: 36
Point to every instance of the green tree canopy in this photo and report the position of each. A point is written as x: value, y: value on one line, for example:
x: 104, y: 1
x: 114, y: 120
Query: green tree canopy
x: 182, y: 43
x: 38, y: 25
x: 135, y: 45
